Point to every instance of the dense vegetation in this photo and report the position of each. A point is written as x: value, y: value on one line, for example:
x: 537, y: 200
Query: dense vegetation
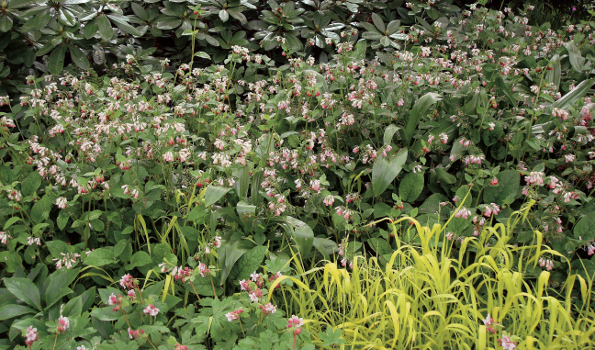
x: 344, y: 174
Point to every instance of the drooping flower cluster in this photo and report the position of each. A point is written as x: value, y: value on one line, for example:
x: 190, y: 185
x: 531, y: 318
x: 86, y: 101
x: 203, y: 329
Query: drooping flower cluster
x: 294, y: 325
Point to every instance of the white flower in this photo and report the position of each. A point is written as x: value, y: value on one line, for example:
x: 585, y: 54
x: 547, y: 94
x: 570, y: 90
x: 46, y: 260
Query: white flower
x: 254, y: 276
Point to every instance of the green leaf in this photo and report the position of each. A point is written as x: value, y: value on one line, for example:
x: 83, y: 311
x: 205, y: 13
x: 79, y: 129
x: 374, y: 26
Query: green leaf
x: 58, y: 247
x: 5, y: 23
x: 509, y: 184
x: 41, y: 210
x: 79, y: 58
x: 301, y: 233
x: 571, y: 98
x: 198, y: 214
x: 248, y: 263
x: 386, y: 169
x: 506, y: 89
x: 106, y: 314
x: 90, y: 29
x: 229, y: 254
x: 11, y: 221
x: 215, y: 193
x: 411, y: 187
x: 105, y: 27
x: 584, y: 228
x: 73, y: 308
x: 417, y: 112
x: 13, y: 310
x: 445, y: 176
x: 100, y: 257
x: 378, y: 23
x: 56, y: 285
x: 56, y: 61
x: 25, y: 290
x: 139, y: 259
x: 389, y: 133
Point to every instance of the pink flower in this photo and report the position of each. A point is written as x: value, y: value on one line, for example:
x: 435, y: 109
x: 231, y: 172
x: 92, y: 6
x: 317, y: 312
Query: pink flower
x: 203, y: 269
x: 506, y: 343
x: 31, y: 336
x: 151, y: 310
x: 234, y: 315
x: 128, y: 282
x: 63, y: 324
x: 494, y: 181
x: 245, y: 285
x: 268, y: 309
x: 295, y: 323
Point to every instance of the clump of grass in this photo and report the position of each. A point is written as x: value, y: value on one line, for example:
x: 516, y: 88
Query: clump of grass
x: 426, y: 298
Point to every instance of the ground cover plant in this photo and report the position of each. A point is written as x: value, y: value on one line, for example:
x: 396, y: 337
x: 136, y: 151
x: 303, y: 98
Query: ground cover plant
x: 426, y: 183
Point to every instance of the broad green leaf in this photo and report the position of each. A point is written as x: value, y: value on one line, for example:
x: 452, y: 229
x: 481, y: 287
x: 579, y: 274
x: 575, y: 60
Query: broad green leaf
x: 509, y: 184
x: 56, y: 61
x: 243, y: 182
x: 73, y: 308
x: 411, y: 187
x: 584, y: 228
x: 229, y: 254
x: 11, y: 221
x: 420, y: 108
x: 386, y: 169
x: 56, y: 285
x: 25, y: 290
x: 301, y: 233
x: 198, y: 214
x: 574, y: 55
x: 106, y: 314
x: 100, y: 257
x: 506, y: 89
x: 389, y: 133
x: 139, y: 259
x: 248, y: 263
x: 215, y: 193
x: 13, y: 310
x: 571, y: 98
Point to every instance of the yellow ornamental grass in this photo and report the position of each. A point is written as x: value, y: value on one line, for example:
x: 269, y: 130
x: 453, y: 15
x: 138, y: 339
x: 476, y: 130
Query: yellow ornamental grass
x: 425, y: 298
